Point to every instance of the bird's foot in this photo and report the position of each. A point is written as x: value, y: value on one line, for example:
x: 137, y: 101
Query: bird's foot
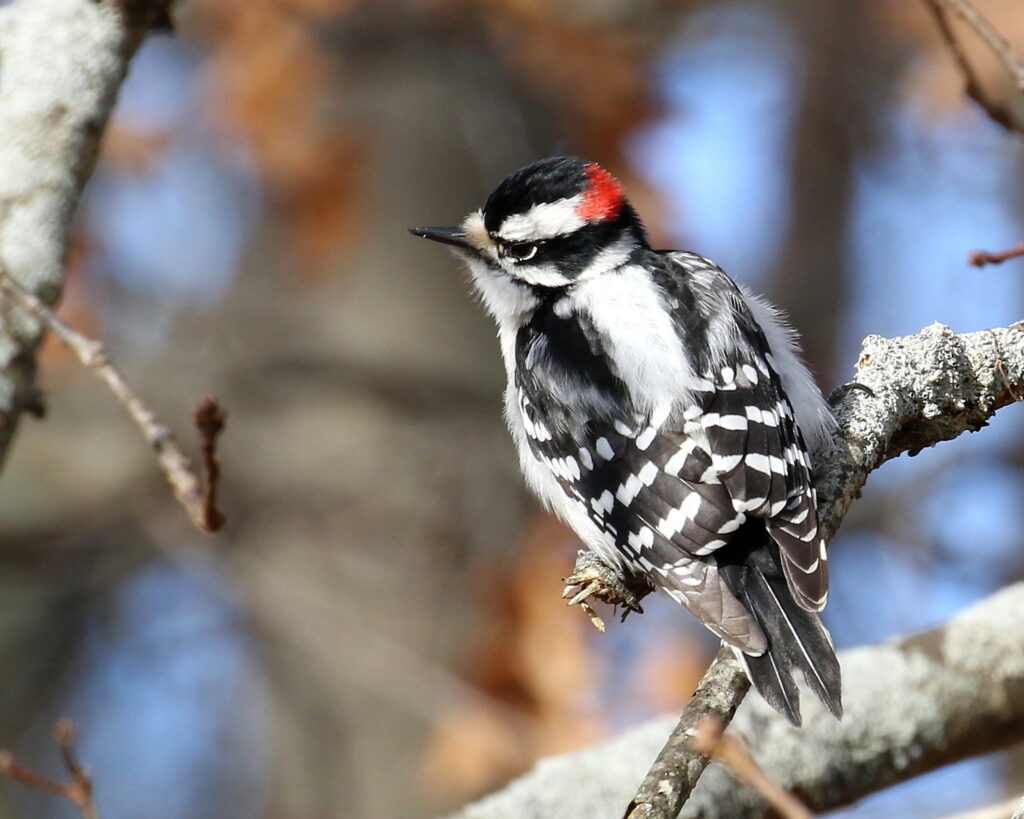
x: 593, y: 578
x: 840, y: 392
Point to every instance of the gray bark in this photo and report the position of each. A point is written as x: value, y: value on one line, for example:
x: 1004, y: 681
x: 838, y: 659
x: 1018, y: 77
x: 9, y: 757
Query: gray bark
x: 61, y: 64
x: 925, y: 388
x: 912, y: 705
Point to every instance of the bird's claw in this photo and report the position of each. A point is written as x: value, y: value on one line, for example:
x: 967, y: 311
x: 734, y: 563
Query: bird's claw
x: 592, y: 578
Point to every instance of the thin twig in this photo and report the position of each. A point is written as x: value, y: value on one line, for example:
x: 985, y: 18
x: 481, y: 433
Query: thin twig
x: 678, y: 767
x: 210, y: 420
x: 188, y: 489
x: 712, y: 741
x: 78, y: 791
x: 980, y: 258
x: 996, y: 43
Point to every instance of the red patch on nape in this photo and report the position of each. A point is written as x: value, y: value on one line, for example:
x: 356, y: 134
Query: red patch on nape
x: 602, y: 198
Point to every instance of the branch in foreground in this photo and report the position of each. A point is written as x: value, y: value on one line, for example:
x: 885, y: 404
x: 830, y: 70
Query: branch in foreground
x: 1001, y: 810
x: 946, y: 694
x: 994, y: 41
x: 980, y: 258
x: 920, y: 390
x: 679, y: 764
x: 711, y: 741
x: 78, y: 791
x: 198, y: 498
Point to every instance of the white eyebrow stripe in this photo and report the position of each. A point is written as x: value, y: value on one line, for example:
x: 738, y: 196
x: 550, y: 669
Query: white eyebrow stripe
x: 543, y: 221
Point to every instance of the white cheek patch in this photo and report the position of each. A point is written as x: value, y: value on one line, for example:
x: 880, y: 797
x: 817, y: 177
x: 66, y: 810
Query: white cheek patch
x: 543, y: 221
x: 507, y: 301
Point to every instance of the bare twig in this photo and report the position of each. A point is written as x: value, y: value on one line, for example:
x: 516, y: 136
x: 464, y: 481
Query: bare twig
x: 711, y: 740
x: 210, y: 420
x: 980, y: 258
x: 995, y: 42
x: 199, y: 502
x: 78, y: 791
x: 679, y: 765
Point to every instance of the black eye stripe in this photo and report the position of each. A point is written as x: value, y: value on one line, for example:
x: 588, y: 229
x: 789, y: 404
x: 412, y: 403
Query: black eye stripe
x: 519, y: 251
x: 572, y: 252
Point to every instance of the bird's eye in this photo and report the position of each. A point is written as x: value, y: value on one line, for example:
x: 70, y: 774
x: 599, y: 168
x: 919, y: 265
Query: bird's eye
x: 521, y: 251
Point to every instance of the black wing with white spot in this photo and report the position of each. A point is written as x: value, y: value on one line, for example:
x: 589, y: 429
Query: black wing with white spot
x: 668, y: 495
x: 650, y: 492
x: 759, y: 456
x: 668, y: 513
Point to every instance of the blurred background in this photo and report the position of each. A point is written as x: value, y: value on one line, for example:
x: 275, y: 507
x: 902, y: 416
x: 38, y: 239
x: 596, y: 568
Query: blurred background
x: 378, y: 631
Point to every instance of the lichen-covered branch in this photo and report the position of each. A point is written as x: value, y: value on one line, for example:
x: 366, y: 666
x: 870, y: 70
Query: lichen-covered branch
x: 907, y: 393
x: 920, y: 390
x: 61, y: 64
x: 911, y: 706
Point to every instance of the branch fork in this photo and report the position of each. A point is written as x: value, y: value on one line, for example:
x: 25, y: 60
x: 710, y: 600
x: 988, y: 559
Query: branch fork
x: 77, y: 791
x: 197, y: 495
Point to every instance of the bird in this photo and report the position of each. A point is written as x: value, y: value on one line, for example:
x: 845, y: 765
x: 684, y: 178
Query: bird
x: 663, y: 412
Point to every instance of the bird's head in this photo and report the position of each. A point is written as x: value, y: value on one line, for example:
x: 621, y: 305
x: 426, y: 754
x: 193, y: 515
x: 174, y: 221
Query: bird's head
x: 548, y: 225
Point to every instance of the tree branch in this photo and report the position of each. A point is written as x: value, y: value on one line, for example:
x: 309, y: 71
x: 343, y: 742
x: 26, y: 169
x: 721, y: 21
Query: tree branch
x: 946, y: 694
x: 210, y: 421
x: 994, y: 41
x: 78, y: 791
x: 199, y: 498
x: 1008, y: 807
x: 679, y: 764
x: 912, y: 392
x: 980, y: 258
x: 62, y: 63
x: 711, y: 741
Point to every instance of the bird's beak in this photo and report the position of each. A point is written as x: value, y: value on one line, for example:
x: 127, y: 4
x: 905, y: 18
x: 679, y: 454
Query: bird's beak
x: 446, y: 235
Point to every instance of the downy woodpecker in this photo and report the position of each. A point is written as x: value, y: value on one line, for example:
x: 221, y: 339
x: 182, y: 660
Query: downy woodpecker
x: 662, y: 411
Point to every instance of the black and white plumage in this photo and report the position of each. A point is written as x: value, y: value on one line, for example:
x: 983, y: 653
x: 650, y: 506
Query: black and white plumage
x: 662, y: 411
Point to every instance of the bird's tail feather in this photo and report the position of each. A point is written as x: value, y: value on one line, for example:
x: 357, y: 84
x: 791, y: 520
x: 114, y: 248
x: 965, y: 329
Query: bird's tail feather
x: 796, y: 637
